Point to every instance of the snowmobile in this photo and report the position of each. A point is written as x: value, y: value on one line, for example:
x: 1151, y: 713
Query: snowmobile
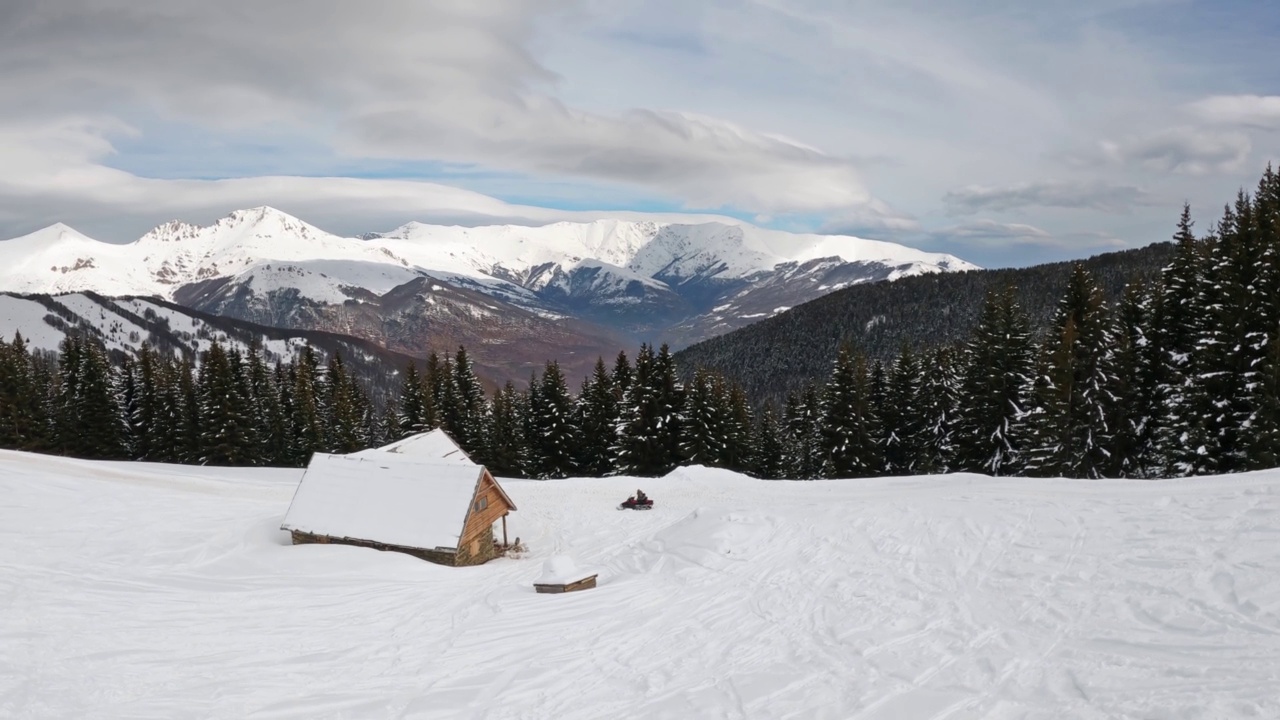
x: 631, y: 503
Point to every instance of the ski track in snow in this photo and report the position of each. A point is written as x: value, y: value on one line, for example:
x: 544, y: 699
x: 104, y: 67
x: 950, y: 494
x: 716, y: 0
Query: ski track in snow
x: 155, y: 591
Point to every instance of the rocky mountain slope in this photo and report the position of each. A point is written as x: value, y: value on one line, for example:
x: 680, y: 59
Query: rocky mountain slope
x: 518, y: 294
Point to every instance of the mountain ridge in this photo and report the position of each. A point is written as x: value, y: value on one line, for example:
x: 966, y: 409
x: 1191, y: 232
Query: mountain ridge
x: 570, y: 290
x: 177, y: 252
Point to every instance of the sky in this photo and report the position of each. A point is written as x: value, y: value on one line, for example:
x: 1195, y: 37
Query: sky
x: 1002, y: 131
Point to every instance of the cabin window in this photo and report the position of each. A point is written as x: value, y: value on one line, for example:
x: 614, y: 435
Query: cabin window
x: 482, y: 503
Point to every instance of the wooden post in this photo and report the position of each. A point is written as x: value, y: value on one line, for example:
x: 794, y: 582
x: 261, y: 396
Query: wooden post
x: 504, y: 531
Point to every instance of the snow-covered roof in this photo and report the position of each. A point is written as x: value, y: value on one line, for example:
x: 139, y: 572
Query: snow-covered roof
x: 435, y: 446
x: 384, y: 499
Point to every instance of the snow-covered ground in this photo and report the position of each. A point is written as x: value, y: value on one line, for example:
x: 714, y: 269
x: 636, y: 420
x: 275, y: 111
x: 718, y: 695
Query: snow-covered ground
x: 153, y: 591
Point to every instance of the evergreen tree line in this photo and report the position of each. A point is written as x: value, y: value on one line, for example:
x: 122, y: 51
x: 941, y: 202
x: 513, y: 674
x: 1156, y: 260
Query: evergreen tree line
x: 1180, y: 376
x: 232, y: 408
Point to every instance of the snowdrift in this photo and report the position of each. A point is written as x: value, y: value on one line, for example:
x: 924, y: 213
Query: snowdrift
x: 139, y: 590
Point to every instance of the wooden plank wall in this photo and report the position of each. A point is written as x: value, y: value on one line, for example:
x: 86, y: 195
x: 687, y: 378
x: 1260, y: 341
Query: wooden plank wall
x: 480, y: 522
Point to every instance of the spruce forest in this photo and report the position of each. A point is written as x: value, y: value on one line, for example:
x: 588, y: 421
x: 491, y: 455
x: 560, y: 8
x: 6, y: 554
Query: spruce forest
x: 1179, y: 376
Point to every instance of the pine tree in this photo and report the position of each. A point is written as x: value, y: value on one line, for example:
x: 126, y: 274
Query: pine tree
x: 308, y: 411
x: 802, y: 435
x: 642, y: 438
x: 529, y: 425
x: 66, y: 394
x: 508, y: 454
x: 467, y: 409
x: 413, y: 404
x: 23, y: 389
x: 555, y: 436
x: 877, y: 393
x: 241, y: 376
x: 148, y: 411
x: 598, y: 422
x: 188, y: 435
x: 264, y: 399
x: 704, y: 421
x: 276, y: 392
x: 668, y: 395
x: 1263, y: 439
x: 995, y: 385
x: 1180, y: 323
x: 87, y: 414
x: 939, y: 409
x: 444, y: 393
x: 740, y: 425
x: 1070, y: 433
x: 345, y: 408
x: 622, y: 375
x: 8, y: 398
x: 1137, y: 412
x: 768, y: 457
x: 1224, y: 362
x: 224, y: 420
x: 847, y: 445
x: 902, y: 418
x: 126, y: 391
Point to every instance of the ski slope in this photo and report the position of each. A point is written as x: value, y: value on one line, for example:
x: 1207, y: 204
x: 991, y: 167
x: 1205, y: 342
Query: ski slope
x: 153, y: 591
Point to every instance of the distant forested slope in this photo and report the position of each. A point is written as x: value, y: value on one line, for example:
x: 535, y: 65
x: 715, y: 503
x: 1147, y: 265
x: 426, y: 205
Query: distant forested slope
x: 780, y: 355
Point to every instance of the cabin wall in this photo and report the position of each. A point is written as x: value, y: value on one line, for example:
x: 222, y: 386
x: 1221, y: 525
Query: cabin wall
x: 438, y: 557
x: 477, y: 550
x: 479, y: 527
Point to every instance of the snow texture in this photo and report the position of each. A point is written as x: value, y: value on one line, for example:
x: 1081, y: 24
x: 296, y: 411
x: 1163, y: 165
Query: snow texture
x: 27, y: 317
x: 145, y: 590
x: 431, y: 446
x: 118, y: 332
x: 384, y: 499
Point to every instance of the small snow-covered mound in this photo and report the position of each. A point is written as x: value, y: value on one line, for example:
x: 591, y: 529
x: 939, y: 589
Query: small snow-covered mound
x: 701, y: 473
x: 559, y: 570
x: 713, y: 539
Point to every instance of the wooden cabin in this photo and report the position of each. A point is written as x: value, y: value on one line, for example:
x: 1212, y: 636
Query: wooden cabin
x: 441, y: 512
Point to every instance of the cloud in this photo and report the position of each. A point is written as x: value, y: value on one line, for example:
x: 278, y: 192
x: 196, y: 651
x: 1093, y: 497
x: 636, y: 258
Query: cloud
x: 449, y: 81
x: 1252, y: 111
x: 1179, y: 150
x: 1099, y: 196
x: 875, y: 219
x: 989, y: 234
x: 992, y: 233
x: 705, y: 161
x: 51, y: 172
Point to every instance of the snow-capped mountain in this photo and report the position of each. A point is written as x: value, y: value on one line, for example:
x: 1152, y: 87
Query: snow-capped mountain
x: 60, y: 259
x: 654, y: 281
x: 672, y: 253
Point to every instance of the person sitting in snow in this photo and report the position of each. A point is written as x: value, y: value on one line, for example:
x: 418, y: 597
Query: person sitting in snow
x: 641, y: 498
